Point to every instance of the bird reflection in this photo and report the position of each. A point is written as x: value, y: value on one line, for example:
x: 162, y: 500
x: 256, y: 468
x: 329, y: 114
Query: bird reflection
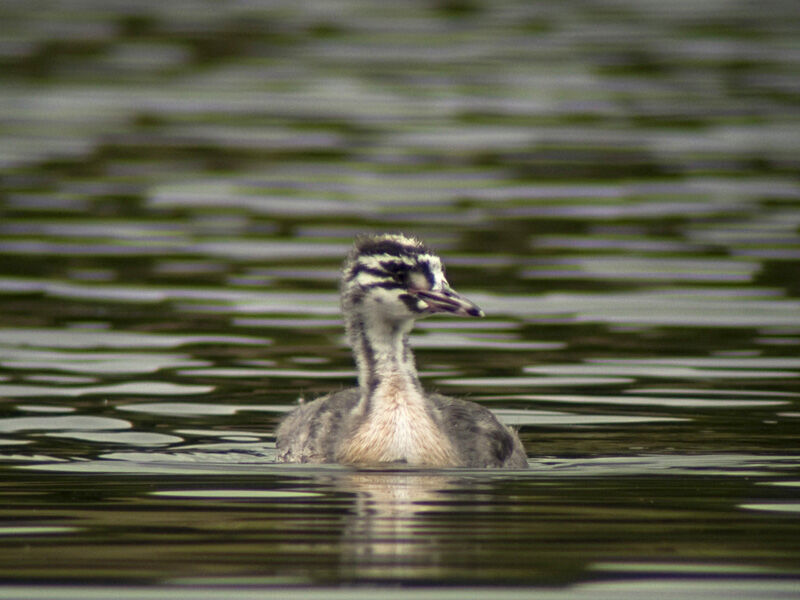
x: 391, y: 531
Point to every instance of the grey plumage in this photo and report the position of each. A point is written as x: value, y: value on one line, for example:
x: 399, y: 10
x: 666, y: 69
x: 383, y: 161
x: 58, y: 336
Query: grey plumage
x: 388, y: 281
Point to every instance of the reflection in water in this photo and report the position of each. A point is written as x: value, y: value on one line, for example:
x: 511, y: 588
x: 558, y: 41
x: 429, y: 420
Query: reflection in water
x: 387, y: 534
x: 322, y: 524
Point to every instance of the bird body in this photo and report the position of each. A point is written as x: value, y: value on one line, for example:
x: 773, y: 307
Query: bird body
x: 388, y: 282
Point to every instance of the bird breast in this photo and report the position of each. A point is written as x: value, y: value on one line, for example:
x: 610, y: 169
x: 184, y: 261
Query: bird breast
x: 398, y: 427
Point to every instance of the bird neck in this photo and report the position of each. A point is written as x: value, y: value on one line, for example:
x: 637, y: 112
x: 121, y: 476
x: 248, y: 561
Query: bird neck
x: 382, y: 354
x: 394, y: 420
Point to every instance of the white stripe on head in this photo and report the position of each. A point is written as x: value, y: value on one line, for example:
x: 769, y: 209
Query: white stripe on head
x: 373, y: 261
x: 365, y: 279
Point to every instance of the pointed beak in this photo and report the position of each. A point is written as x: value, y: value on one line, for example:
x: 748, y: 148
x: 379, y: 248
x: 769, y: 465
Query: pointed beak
x: 448, y: 300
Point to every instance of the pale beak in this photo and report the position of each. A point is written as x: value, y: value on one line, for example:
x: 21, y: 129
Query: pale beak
x: 448, y: 300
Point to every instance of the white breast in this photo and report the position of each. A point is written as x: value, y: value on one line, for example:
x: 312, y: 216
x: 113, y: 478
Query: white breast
x: 398, y: 428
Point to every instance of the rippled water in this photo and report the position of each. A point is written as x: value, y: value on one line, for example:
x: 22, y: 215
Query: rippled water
x: 615, y: 183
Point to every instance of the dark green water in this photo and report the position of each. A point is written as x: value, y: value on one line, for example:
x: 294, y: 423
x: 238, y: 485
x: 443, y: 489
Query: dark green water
x: 615, y: 183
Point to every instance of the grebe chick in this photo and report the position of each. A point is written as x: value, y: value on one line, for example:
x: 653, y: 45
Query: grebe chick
x: 388, y: 282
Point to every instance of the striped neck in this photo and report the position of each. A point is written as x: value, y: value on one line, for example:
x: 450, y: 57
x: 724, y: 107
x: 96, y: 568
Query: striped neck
x: 381, y: 352
x: 394, y: 420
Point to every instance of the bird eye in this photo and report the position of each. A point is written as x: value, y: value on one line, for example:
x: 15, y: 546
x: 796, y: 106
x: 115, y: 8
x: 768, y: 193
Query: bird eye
x: 401, y: 276
x: 399, y: 272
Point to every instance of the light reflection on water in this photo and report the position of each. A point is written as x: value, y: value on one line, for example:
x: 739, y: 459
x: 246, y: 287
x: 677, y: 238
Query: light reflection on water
x: 615, y: 185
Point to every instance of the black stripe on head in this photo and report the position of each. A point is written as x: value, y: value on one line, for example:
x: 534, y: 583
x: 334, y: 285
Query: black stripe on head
x: 388, y: 244
x: 359, y: 268
x: 427, y: 270
x: 386, y: 285
x: 398, y: 270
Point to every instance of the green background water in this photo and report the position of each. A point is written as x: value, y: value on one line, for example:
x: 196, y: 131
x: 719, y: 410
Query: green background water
x: 615, y: 183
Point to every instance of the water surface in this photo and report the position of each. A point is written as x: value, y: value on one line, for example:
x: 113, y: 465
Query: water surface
x: 615, y: 184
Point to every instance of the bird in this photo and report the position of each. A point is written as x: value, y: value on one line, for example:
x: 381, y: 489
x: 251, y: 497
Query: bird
x: 389, y: 281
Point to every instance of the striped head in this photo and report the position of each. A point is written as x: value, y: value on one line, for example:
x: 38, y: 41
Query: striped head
x: 397, y: 278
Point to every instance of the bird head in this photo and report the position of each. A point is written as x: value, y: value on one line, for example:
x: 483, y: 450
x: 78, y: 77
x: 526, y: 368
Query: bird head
x: 399, y: 279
